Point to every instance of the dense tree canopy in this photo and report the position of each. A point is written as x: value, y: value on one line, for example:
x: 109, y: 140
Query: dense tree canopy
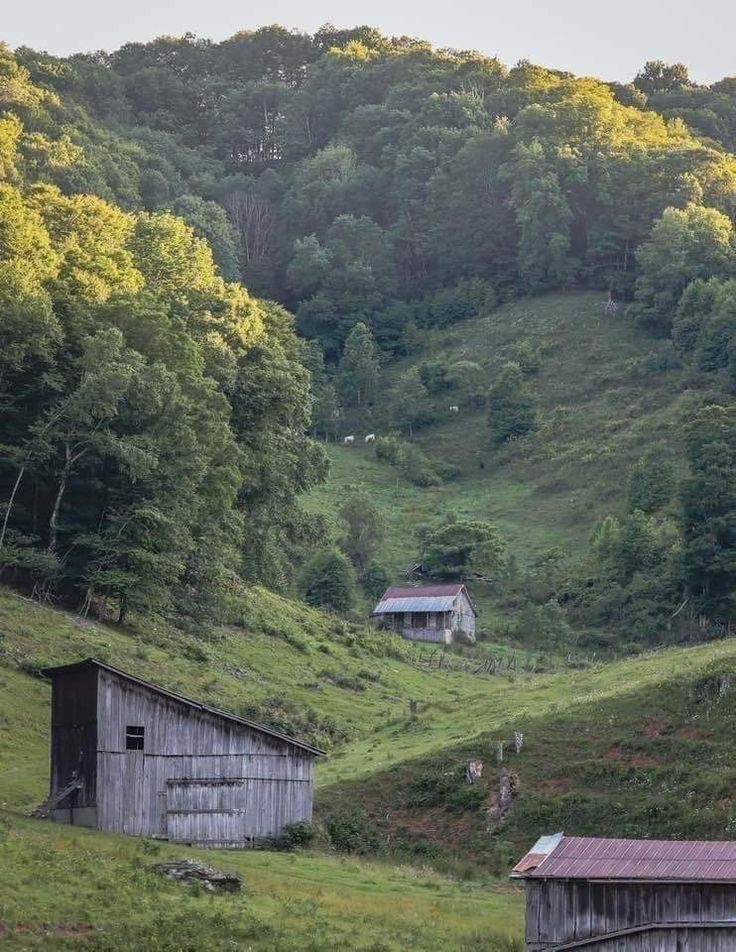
x: 153, y: 414
x: 364, y: 177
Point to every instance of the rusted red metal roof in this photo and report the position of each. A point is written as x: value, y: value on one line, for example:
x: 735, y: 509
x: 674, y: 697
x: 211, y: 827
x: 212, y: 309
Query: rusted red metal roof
x: 580, y: 857
x: 423, y: 591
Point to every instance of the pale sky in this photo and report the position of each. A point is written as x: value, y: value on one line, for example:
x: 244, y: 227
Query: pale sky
x: 590, y: 37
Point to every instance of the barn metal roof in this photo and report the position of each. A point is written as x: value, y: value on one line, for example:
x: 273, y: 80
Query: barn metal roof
x: 410, y: 591
x: 580, y: 857
x: 420, y: 598
x: 94, y: 663
x: 417, y: 604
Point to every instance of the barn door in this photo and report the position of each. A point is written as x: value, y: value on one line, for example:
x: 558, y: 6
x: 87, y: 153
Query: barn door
x: 207, y: 811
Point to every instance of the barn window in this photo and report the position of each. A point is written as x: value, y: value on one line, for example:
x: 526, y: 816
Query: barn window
x: 134, y: 737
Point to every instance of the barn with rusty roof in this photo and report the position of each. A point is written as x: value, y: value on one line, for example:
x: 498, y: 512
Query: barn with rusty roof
x: 617, y: 895
x: 437, y: 613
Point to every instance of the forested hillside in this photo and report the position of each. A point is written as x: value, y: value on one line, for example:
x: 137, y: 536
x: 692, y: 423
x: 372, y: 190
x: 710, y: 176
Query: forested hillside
x: 154, y: 414
x: 392, y: 197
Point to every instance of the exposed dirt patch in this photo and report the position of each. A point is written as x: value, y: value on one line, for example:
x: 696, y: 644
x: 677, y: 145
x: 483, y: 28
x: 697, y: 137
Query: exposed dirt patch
x: 692, y: 733
x: 615, y: 755
x: 435, y: 824
x: 640, y: 759
x: 654, y: 726
x: 724, y: 803
x: 555, y: 786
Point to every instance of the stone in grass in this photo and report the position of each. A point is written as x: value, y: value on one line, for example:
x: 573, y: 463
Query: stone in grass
x: 191, y: 872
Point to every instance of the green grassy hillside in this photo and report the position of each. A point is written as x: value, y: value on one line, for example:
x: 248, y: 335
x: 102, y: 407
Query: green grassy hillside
x: 311, y: 674
x: 315, y: 675
x: 655, y: 758
x: 586, y: 763
x: 64, y: 888
x: 604, y: 394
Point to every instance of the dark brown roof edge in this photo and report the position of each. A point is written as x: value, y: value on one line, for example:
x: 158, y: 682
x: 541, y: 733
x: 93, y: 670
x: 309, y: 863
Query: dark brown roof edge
x: 96, y: 663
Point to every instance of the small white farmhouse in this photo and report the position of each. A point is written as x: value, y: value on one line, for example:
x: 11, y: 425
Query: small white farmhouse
x: 438, y: 613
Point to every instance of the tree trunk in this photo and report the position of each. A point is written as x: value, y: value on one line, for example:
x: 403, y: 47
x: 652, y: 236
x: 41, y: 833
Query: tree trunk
x: 54, y: 520
x: 10, y: 504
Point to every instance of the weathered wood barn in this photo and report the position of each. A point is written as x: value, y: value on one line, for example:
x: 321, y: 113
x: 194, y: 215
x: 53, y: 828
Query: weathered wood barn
x: 130, y: 757
x: 602, y: 895
x: 437, y: 613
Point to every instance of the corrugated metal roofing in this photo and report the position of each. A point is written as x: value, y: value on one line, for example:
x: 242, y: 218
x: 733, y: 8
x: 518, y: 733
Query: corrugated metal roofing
x: 417, y: 604
x: 429, y: 591
x: 578, y: 857
x: 421, y: 598
x: 541, y: 850
x: 94, y: 663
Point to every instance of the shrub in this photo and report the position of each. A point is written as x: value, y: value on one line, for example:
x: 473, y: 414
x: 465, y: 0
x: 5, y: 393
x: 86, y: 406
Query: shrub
x: 298, y: 835
x: 409, y: 459
x: 652, y: 481
x: 351, y: 831
x: 468, y: 298
x: 446, y: 788
x: 458, y: 547
x: 511, y: 409
x: 376, y: 580
x: 528, y: 355
x: 435, y: 376
x: 417, y: 468
x: 387, y: 448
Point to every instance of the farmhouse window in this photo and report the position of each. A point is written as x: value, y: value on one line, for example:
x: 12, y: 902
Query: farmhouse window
x: 134, y: 737
x: 419, y: 620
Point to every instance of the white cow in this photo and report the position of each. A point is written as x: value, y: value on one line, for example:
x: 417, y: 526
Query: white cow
x: 370, y: 438
x: 349, y: 440
x: 454, y: 408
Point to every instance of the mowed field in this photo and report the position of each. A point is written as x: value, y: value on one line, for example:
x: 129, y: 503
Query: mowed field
x: 65, y: 888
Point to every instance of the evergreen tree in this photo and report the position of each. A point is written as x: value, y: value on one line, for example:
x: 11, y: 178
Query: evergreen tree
x: 358, y: 372
x: 365, y: 528
x: 376, y: 580
x: 511, y: 409
x: 330, y: 581
x: 652, y: 480
x: 709, y: 510
x: 408, y: 401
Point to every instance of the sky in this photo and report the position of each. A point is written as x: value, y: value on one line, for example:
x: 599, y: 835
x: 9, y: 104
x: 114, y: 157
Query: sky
x: 611, y: 41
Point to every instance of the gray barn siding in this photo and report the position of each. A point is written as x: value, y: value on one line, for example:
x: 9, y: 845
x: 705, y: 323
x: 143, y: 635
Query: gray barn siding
x: 441, y: 636
x: 136, y: 794
x: 463, y: 616
x: 714, y: 938
x: 564, y: 911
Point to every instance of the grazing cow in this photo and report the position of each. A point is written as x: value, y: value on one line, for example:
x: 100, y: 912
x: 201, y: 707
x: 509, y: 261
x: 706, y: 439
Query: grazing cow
x: 454, y: 408
x: 349, y: 440
x: 371, y: 438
